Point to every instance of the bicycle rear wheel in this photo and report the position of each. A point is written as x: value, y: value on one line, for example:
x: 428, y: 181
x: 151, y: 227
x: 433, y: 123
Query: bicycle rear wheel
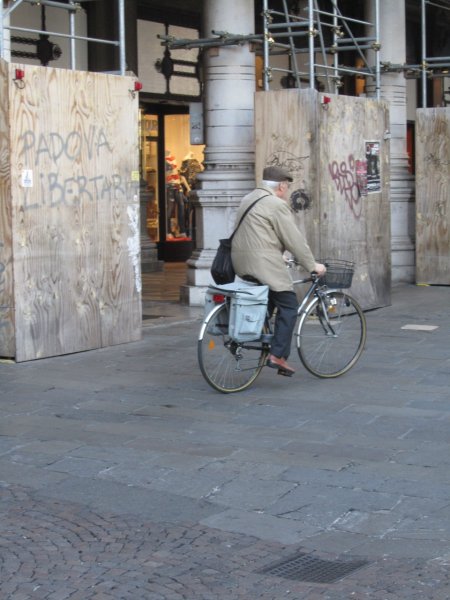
x: 226, y: 365
x: 331, y: 335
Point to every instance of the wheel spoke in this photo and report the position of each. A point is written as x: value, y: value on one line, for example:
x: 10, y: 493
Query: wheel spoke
x: 330, y: 344
x: 226, y: 365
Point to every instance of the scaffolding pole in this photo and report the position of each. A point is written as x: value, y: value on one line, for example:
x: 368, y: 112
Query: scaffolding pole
x: 312, y: 33
x: 377, y: 53
x: 73, y: 58
x: 322, y: 45
x: 335, y: 55
x: 293, y: 55
x: 122, y: 54
x: 424, y: 54
x: 51, y: 3
x: 315, y: 25
x: 266, y: 68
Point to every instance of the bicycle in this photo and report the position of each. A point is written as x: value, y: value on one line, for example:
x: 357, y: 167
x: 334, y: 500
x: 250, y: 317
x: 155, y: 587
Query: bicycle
x: 330, y: 334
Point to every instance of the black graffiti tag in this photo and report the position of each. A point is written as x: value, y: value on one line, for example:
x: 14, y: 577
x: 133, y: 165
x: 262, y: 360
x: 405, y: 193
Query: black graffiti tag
x: 295, y: 165
x: 436, y: 161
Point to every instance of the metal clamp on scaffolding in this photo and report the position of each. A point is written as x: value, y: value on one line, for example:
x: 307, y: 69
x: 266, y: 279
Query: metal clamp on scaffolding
x: 222, y: 38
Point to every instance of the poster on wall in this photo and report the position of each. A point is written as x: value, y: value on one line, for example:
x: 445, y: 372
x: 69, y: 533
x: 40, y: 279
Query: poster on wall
x: 373, y: 167
x: 361, y: 176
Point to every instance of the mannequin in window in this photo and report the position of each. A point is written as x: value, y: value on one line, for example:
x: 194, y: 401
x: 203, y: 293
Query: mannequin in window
x: 190, y: 168
x: 175, y: 200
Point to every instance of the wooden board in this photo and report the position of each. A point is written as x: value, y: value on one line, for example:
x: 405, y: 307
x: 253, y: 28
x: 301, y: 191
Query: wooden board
x: 324, y: 146
x: 433, y: 196
x: 355, y: 225
x: 75, y: 211
x: 7, y: 343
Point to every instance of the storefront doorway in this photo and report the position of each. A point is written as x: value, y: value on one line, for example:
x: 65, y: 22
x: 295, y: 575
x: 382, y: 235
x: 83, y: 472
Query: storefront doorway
x: 170, y: 165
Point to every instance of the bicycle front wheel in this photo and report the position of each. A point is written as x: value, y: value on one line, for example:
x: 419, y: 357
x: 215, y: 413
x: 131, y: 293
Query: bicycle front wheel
x: 226, y: 365
x: 331, y: 335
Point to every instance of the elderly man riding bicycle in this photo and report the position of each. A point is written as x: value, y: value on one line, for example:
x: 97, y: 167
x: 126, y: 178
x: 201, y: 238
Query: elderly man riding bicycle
x: 266, y: 232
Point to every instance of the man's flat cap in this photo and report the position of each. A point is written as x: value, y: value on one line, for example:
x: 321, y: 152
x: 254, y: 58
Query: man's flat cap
x: 276, y: 174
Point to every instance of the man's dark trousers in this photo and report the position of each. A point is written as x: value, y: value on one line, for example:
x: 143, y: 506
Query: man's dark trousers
x: 285, y: 318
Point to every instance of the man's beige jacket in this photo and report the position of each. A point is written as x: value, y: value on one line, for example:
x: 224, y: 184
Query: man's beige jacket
x: 264, y: 234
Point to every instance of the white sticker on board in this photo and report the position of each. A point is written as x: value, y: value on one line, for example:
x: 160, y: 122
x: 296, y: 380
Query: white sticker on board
x: 27, y: 178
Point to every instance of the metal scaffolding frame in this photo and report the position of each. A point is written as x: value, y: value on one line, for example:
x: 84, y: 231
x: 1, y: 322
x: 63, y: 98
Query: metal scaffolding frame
x: 71, y: 7
x: 312, y: 26
x: 281, y: 29
x: 279, y: 38
x: 428, y: 63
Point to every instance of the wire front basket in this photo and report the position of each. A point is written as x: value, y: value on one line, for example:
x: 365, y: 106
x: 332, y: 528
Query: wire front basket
x: 339, y: 273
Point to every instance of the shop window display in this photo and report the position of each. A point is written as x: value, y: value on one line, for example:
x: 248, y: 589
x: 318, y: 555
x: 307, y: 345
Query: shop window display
x: 149, y: 173
x: 176, y: 201
x: 180, y: 181
x: 182, y: 166
x: 166, y: 183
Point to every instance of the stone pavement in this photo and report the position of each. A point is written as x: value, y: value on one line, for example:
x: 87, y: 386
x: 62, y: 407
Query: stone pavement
x: 124, y: 476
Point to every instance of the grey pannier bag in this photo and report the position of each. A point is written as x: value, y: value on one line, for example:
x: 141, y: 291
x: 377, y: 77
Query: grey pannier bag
x: 248, y: 308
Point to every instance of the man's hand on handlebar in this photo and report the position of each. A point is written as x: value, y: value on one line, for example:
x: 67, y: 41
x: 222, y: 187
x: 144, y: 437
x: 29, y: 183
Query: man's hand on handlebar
x: 320, y: 269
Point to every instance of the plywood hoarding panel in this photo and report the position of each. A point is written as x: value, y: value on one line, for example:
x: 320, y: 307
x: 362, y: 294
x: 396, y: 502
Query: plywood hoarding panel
x: 75, y: 218
x: 7, y: 341
x: 433, y: 196
x: 354, y: 193
x: 338, y: 153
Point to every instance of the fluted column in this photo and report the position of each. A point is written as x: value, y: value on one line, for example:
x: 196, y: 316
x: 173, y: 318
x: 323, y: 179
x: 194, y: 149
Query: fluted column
x: 229, y: 76
x: 393, y: 90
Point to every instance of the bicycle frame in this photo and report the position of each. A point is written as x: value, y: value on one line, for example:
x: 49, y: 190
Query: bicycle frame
x: 313, y: 292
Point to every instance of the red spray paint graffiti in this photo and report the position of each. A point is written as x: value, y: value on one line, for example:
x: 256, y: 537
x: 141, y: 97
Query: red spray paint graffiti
x: 345, y: 179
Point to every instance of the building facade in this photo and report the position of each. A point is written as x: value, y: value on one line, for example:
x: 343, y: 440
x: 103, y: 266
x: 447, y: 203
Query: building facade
x: 197, y: 99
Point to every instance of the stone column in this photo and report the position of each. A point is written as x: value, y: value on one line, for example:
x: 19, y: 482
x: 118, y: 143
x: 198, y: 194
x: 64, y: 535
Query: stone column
x: 393, y: 90
x: 229, y: 76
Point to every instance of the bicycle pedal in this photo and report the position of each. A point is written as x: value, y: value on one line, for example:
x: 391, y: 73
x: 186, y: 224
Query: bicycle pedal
x: 285, y: 373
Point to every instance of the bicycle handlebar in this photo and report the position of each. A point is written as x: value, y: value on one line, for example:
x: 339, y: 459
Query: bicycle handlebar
x: 314, y: 276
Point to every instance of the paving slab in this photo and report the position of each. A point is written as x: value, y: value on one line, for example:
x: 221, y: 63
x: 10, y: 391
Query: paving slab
x: 124, y: 475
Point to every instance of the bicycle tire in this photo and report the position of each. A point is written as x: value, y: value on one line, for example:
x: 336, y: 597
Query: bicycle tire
x: 225, y: 364
x: 327, y: 353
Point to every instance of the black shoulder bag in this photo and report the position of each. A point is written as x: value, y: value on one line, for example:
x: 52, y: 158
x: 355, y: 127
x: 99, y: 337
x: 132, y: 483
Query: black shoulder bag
x: 222, y: 270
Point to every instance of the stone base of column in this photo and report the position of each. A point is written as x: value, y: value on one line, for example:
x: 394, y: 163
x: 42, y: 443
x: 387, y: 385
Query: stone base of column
x: 402, y: 223
x: 198, y: 278
x: 215, y: 219
x: 403, y: 261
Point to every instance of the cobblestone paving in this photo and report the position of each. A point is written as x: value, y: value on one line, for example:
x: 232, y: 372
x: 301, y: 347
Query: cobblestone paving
x: 59, y: 550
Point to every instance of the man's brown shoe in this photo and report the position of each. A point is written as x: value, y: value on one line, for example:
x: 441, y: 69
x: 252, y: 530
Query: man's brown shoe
x: 280, y: 363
